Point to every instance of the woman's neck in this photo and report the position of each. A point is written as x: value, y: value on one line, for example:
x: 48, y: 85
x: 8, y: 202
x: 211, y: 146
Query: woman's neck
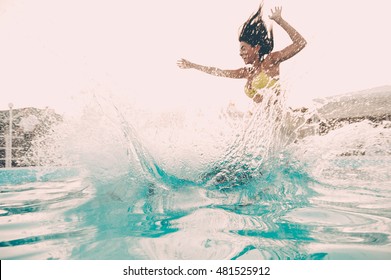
x: 257, y: 64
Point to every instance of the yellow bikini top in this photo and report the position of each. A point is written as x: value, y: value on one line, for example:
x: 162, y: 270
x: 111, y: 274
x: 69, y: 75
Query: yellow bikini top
x: 261, y: 81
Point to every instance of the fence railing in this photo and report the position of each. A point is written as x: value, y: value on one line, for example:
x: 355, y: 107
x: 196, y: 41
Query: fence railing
x: 6, y: 142
x: 9, y: 142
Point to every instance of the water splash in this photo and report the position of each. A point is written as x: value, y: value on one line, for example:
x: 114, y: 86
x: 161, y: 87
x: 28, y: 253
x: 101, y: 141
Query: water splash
x: 222, y: 149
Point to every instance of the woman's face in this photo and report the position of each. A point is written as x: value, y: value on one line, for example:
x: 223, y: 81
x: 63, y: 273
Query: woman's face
x: 249, y: 54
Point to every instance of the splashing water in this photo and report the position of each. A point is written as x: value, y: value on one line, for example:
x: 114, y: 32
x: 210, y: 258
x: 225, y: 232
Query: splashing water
x: 125, y: 183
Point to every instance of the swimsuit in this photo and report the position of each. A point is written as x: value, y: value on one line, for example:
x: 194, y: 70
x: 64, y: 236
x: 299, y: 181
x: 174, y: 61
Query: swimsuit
x: 261, y: 81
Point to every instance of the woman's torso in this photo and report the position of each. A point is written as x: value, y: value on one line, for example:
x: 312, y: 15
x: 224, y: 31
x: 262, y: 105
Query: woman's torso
x: 263, y: 77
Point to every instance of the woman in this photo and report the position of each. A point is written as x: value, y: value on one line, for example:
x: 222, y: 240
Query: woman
x: 256, y: 45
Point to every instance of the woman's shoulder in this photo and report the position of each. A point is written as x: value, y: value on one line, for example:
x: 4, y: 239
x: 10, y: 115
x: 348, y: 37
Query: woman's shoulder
x: 273, y: 58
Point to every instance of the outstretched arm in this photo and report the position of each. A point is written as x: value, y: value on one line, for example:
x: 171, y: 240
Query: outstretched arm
x: 298, y: 41
x: 235, y: 74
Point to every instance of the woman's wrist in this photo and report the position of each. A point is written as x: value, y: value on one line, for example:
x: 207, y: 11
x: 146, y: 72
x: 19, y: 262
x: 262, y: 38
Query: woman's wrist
x: 279, y: 20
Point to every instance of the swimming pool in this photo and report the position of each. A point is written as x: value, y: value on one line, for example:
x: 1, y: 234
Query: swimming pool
x: 319, y: 197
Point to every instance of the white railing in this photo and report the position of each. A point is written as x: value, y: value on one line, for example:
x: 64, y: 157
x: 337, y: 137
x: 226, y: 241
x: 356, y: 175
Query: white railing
x: 8, y: 137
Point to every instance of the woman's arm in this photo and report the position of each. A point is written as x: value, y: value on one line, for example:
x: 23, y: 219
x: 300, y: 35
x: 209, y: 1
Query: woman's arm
x: 235, y: 74
x: 298, y: 41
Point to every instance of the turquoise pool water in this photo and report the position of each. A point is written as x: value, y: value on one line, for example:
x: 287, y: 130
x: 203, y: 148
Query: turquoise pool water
x: 319, y: 197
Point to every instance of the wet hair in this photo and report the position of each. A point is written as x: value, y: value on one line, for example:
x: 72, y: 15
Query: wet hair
x: 255, y: 33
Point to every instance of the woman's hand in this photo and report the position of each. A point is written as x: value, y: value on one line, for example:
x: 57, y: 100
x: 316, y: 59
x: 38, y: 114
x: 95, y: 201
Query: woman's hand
x: 184, y: 64
x: 276, y: 14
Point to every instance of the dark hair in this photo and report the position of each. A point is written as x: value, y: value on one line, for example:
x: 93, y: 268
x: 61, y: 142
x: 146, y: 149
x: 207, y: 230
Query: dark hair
x: 255, y: 33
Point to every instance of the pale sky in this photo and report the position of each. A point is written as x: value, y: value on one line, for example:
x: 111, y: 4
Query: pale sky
x: 53, y: 51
